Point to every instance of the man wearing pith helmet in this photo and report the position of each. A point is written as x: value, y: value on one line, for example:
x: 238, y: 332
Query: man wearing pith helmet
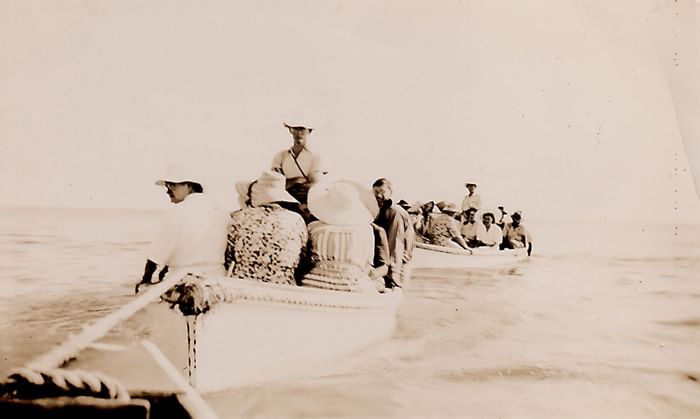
x: 192, y: 235
x: 299, y: 165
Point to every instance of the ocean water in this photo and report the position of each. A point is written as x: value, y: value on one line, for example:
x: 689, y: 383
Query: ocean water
x: 602, y: 321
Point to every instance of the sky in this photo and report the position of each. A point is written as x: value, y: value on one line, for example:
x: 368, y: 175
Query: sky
x: 563, y: 109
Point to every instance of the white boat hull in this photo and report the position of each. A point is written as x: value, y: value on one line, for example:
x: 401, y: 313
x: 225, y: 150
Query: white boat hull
x: 435, y: 257
x: 269, y: 332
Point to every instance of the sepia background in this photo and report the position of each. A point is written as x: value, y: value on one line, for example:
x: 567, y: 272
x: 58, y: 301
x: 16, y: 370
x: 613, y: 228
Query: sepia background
x: 584, y: 115
x: 565, y: 110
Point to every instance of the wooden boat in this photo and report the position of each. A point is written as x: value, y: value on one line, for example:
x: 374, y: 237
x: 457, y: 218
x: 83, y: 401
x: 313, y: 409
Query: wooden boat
x: 431, y: 256
x: 244, y: 332
x: 261, y: 332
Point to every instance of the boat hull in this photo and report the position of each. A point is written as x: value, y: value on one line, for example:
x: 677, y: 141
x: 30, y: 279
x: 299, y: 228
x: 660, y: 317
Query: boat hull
x: 435, y: 257
x: 269, y: 332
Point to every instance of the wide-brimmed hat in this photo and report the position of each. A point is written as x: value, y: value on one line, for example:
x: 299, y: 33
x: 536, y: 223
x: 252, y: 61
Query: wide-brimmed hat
x: 415, y: 208
x: 338, y: 203
x: 435, y: 208
x: 366, y: 196
x: 268, y: 188
x: 403, y: 204
x: 297, y: 124
x: 450, y: 207
x: 469, y: 182
x: 179, y: 173
x: 480, y: 214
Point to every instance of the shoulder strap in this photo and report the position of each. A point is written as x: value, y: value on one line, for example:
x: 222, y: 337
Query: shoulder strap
x: 291, y: 153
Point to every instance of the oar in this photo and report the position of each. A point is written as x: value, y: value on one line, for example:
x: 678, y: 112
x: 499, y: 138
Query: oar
x: 90, y: 333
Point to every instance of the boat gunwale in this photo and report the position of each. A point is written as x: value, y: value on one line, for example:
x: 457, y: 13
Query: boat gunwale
x: 516, y: 253
x: 239, y: 290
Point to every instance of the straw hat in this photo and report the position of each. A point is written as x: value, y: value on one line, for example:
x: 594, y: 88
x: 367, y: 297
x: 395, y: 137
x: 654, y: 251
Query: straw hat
x: 269, y: 187
x: 435, y: 209
x: 178, y: 173
x: 338, y: 203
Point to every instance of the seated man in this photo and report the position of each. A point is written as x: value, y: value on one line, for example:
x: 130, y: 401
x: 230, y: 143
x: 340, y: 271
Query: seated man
x: 399, y: 230
x: 469, y: 227
x: 502, y: 218
x: 192, y: 236
x: 488, y: 234
x: 515, y: 235
x: 300, y: 167
x: 379, y: 273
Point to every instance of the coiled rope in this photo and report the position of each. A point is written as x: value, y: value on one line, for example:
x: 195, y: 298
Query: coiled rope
x: 26, y: 383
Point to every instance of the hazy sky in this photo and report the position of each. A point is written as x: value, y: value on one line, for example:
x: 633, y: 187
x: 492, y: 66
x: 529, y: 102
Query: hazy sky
x: 561, y: 108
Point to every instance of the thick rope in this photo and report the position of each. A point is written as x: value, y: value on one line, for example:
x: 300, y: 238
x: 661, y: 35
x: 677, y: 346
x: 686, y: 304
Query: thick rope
x: 195, y: 295
x: 25, y: 383
x: 76, y: 343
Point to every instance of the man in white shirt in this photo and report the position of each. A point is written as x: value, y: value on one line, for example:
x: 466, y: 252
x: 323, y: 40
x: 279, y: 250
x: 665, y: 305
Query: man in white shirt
x: 298, y: 164
x: 192, y: 236
x: 473, y: 199
x: 488, y: 234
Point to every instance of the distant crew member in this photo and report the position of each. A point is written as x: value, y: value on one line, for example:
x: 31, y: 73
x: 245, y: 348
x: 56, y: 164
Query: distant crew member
x: 473, y: 199
x: 515, y: 235
x: 443, y: 229
x: 502, y: 217
x: 469, y: 225
x: 488, y: 234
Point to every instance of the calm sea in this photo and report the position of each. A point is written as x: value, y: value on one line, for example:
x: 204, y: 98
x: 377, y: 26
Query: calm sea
x: 603, y: 321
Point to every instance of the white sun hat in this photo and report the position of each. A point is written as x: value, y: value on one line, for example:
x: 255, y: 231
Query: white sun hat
x: 338, y: 203
x: 268, y: 188
x: 296, y: 118
x: 178, y: 173
x: 366, y: 196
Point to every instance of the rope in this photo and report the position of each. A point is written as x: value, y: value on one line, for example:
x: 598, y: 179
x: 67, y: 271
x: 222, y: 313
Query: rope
x: 195, y: 295
x: 26, y: 383
x: 76, y: 343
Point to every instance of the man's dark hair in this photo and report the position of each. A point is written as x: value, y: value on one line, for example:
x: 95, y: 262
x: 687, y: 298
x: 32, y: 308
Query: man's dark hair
x: 382, y: 181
